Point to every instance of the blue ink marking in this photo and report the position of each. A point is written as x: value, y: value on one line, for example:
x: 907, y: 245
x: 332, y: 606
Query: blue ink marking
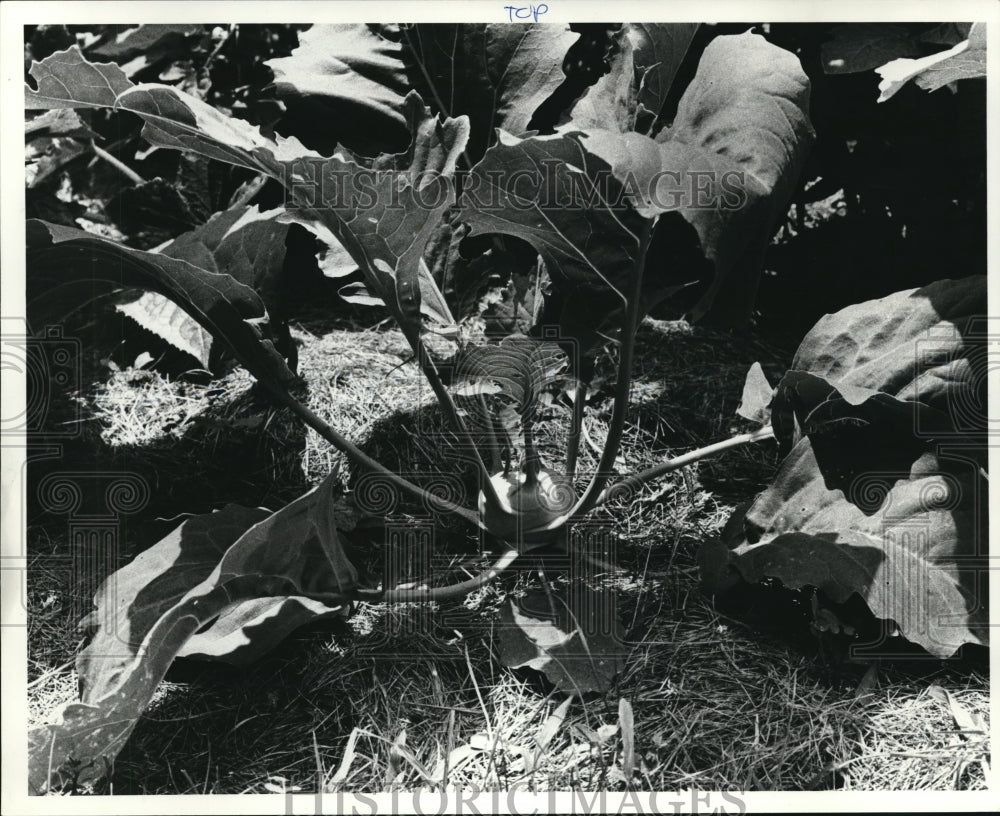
x: 525, y: 12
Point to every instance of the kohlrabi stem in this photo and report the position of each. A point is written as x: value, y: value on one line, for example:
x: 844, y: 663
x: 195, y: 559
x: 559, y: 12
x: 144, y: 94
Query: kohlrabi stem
x: 532, y: 464
x: 441, y: 593
x: 118, y: 164
x: 447, y: 404
x: 575, y: 428
x: 631, y: 483
x: 363, y: 460
x: 633, y: 313
x: 492, y: 440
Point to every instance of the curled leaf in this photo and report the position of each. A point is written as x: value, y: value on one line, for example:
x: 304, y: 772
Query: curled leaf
x: 967, y: 60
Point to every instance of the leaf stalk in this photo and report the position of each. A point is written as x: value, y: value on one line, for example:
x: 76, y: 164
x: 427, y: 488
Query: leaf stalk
x: 623, y: 387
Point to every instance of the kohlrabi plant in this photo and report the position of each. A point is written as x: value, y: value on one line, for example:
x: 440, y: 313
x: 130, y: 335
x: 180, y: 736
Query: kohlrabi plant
x: 633, y: 192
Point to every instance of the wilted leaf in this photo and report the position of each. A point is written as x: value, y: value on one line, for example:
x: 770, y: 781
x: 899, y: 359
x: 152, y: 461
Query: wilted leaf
x: 626, y: 721
x: 967, y: 60
x: 644, y: 61
x: 69, y: 267
x: 150, y: 609
x: 571, y: 634
x: 911, y: 544
x: 57, y: 122
x: 970, y: 723
x: 755, y: 403
x: 552, y: 724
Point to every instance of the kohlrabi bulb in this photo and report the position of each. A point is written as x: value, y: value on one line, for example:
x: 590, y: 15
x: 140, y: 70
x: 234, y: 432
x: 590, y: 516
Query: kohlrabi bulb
x: 526, y: 508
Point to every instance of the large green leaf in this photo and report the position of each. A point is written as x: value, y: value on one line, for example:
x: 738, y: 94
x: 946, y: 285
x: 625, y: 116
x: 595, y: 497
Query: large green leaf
x: 173, y: 119
x: 914, y: 344
x: 359, y: 65
x: 131, y: 601
x: 744, y: 118
x: 497, y: 74
x: 242, y: 242
x: 150, y: 610
x: 874, y: 383
x: 69, y: 267
x: 912, y: 544
x: 883, y: 490
x: 179, y: 121
x: 67, y: 80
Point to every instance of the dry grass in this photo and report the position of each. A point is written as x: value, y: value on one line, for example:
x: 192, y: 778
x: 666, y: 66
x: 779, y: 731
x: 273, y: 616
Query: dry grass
x: 716, y: 705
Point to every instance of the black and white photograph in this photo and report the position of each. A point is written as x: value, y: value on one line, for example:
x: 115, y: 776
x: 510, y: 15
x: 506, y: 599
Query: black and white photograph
x: 475, y: 407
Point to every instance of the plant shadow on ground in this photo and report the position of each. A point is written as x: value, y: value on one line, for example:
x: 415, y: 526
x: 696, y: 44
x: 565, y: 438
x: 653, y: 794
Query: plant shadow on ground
x: 717, y: 705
